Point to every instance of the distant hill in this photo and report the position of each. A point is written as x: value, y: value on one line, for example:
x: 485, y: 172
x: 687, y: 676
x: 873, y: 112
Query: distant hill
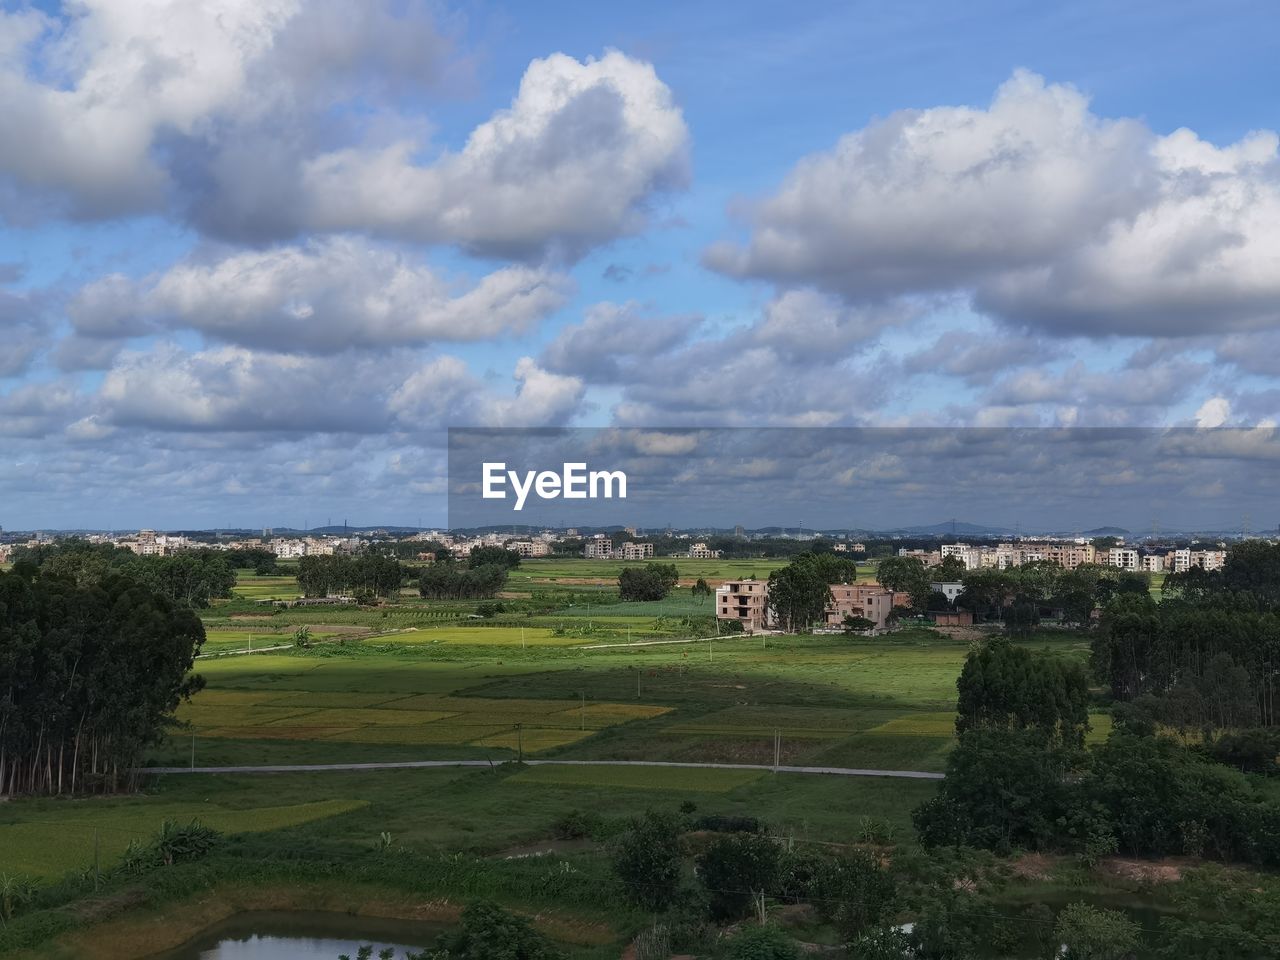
x: 1106, y: 532
x: 957, y: 527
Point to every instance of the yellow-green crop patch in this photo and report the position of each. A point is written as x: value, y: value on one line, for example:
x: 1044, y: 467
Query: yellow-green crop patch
x: 287, y: 731
x: 933, y: 724
x: 307, y: 698
x: 201, y: 715
x: 699, y: 780
x: 441, y: 733
x: 484, y: 636
x: 47, y: 846
x: 601, y: 715
x: 533, y: 739
x: 369, y: 716
x: 763, y: 720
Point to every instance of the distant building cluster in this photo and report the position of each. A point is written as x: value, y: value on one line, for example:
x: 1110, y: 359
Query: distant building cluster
x: 602, y: 548
x: 1069, y: 555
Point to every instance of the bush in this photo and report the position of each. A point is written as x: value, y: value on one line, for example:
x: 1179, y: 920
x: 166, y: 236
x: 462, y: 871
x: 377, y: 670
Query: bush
x: 491, y: 933
x: 856, y: 894
x: 723, y: 824
x: 734, y: 870
x: 175, y: 843
x: 1090, y: 933
x: 767, y: 942
x: 575, y: 825
x: 646, y: 859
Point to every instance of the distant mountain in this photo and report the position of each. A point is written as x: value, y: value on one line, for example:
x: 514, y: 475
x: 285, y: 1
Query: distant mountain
x: 957, y: 527
x: 1106, y: 532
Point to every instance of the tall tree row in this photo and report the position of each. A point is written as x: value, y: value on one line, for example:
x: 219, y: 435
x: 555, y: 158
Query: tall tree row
x: 324, y: 576
x: 91, y: 671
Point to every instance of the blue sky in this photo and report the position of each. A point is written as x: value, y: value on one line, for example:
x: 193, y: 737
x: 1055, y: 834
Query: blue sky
x: 255, y: 257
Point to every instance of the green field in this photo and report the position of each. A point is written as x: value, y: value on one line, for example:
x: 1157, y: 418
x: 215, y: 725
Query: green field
x: 420, y: 680
x: 55, y: 837
x: 253, y: 587
x: 878, y: 704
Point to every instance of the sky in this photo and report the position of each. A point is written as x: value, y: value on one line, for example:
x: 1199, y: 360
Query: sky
x: 256, y: 256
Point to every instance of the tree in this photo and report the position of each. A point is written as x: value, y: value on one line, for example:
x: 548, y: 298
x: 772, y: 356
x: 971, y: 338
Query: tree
x: 1003, y: 789
x: 937, y: 601
x: 652, y: 581
x: 1021, y: 617
x: 798, y: 594
x: 493, y: 556
x: 950, y: 570
x: 646, y: 859
x: 446, y: 580
x: 90, y: 675
x: 985, y: 592
x: 1004, y: 687
x: 855, y: 625
x: 736, y: 869
x: 906, y: 575
x: 701, y: 590
x: 855, y: 894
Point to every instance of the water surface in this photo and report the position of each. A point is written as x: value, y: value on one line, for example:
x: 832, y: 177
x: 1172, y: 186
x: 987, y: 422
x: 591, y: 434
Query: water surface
x: 299, y: 935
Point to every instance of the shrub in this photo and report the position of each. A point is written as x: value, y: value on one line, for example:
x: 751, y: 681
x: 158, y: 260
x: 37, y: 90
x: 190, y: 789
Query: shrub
x: 491, y: 933
x: 646, y: 859
x: 175, y: 843
x: 734, y: 870
x: 767, y: 942
x: 576, y: 824
x: 856, y: 893
x: 1090, y: 933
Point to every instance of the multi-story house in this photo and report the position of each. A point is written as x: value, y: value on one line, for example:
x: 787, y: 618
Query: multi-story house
x: 636, y: 551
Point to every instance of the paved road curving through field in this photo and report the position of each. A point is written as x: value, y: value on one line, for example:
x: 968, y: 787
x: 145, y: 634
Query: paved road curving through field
x: 429, y: 764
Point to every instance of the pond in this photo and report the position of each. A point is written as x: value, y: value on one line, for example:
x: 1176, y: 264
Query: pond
x: 297, y: 935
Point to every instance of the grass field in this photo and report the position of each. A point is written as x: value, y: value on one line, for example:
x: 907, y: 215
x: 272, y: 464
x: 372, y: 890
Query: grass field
x: 253, y: 587
x: 55, y: 837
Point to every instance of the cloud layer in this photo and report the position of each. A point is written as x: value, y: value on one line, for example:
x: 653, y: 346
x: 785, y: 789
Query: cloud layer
x: 1046, y: 214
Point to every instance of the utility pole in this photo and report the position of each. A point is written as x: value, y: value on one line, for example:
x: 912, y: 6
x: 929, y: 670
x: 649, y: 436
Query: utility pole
x: 520, y: 742
x: 777, y: 748
x: 193, y: 751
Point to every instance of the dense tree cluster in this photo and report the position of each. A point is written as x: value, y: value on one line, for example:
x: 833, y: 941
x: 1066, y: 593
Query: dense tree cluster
x: 335, y: 575
x: 1021, y: 595
x: 1191, y: 663
x: 258, y: 559
x: 1005, y: 687
x: 651, y: 581
x: 192, y: 577
x: 91, y: 669
x: 1143, y: 796
x: 447, y: 580
x: 493, y: 556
